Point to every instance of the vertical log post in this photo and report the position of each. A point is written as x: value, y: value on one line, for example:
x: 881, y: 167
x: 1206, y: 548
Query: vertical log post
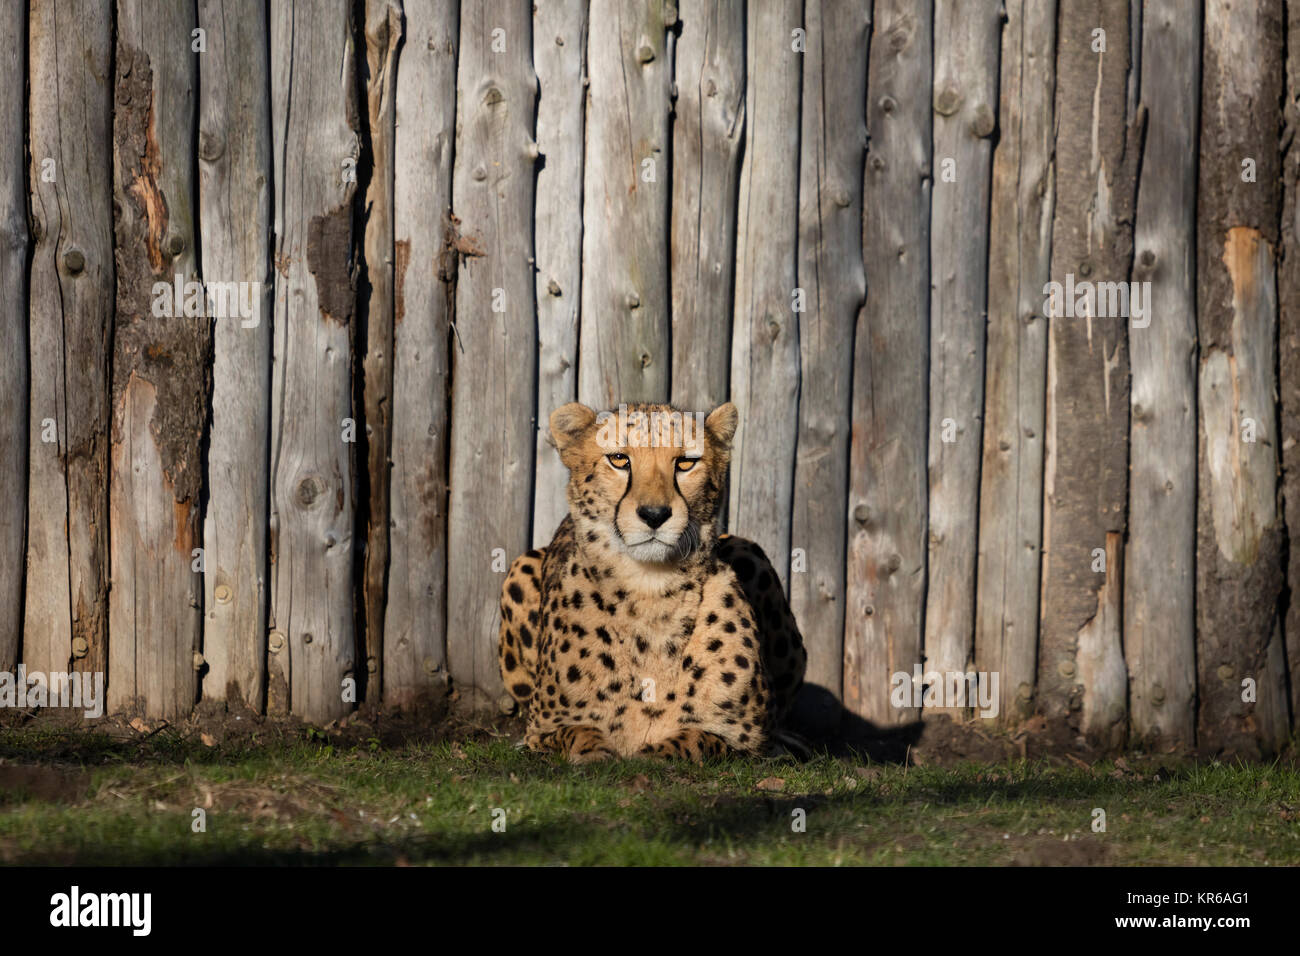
x: 765, y: 336
x: 832, y: 284
x: 885, y: 585
x: 1020, y: 249
x: 559, y: 56
x: 966, y: 36
x: 1081, y: 674
x: 383, y: 31
x: 1160, y: 557
x: 1288, y: 294
x: 492, y: 435
x: 626, y: 187
x: 424, y: 272
x: 161, y: 377
x: 70, y: 126
x: 13, y: 330
x: 707, y: 134
x: 311, y: 644
x: 1242, y: 702
x: 235, y: 224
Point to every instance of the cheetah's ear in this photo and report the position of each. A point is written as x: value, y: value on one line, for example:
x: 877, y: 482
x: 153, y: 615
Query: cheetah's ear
x: 721, y: 425
x: 569, y: 423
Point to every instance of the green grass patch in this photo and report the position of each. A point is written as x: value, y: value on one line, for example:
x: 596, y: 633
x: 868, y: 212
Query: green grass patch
x: 90, y: 799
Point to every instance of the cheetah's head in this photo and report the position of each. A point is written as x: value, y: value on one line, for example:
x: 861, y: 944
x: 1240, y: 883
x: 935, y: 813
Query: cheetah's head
x: 647, y: 479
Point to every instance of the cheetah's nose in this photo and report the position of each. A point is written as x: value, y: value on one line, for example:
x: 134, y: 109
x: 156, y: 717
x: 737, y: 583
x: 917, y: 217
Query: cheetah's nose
x: 654, y: 515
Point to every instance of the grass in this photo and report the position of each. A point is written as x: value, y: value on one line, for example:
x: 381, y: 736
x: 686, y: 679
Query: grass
x: 71, y: 797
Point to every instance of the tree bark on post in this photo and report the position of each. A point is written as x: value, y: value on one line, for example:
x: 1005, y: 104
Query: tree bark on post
x: 1288, y: 294
x: 424, y: 273
x: 624, y: 322
x: 885, y: 586
x: 1020, y: 251
x: 765, y: 337
x: 965, y: 103
x: 1239, y: 527
x: 383, y: 31
x: 13, y: 330
x: 1160, y: 557
x: 311, y: 644
x: 492, y: 436
x: 161, y: 378
x: 833, y: 140
x: 559, y: 56
x: 235, y: 223
x: 707, y: 133
x: 1081, y: 674
x: 71, y: 295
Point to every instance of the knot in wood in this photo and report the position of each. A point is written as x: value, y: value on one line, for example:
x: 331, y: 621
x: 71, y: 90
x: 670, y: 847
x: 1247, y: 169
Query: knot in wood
x: 211, y: 146
x: 887, y: 104
x: 983, y: 123
x: 948, y: 101
x: 309, y: 489
x: 80, y: 648
x: 74, y: 261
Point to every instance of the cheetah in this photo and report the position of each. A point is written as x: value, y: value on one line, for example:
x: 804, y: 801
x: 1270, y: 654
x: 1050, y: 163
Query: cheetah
x: 640, y: 630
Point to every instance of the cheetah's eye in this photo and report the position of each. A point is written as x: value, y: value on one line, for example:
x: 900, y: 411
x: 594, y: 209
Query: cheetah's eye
x: 686, y: 464
x: 619, y: 461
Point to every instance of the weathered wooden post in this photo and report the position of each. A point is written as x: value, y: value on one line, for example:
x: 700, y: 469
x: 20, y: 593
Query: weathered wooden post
x: 13, y: 331
x: 70, y: 123
x: 492, y: 437
x: 832, y: 286
x: 311, y: 650
x: 1020, y: 247
x: 885, y: 577
x: 765, y: 336
x: 559, y: 56
x: 624, y: 322
x: 161, y: 378
x: 1160, y: 558
x: 424, y: 271
x: 966, y: 36
x: 1288, y: 293
x: 708, y: 130
x: 383, y: 30
x: 1242, y: 701
x: 235, y: 224
x: 1081, y: 674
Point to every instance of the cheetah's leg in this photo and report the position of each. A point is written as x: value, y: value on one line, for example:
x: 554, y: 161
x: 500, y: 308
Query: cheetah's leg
x: 579, y: 744
x: 521, y: 605
x: 690, y: 743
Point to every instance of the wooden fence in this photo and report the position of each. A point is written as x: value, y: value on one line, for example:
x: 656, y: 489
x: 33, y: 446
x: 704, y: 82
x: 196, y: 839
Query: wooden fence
x: 291, y: 290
